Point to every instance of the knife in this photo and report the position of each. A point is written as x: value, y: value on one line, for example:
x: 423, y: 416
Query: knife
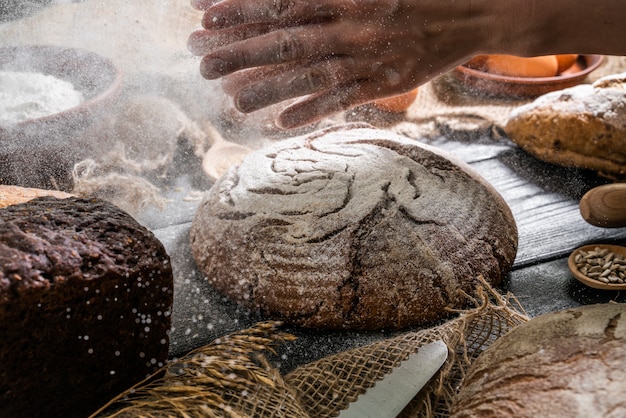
x: 388, y: 397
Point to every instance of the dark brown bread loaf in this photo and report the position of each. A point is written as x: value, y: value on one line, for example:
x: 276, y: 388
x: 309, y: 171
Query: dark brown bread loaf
x: 85, y: 301
x: 352, y: 228
x: 564, y: 364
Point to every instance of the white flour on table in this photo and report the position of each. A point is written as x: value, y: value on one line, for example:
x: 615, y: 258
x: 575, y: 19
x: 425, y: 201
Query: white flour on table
x: 30, y: 95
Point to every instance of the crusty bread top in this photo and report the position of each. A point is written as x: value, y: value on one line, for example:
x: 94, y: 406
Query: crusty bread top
x: 561, y: 364
x: 352, y: 227
x: 13, y: 195
x: 605, y: 99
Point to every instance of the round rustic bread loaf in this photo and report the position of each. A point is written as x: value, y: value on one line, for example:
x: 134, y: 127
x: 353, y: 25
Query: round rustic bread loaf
x: 582, y: 126
x: 565, y: 364
x: 352, y: 227
x: 85, y: 301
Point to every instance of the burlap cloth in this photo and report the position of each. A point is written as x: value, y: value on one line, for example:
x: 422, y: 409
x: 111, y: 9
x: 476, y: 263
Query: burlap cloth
x: 232, y: 378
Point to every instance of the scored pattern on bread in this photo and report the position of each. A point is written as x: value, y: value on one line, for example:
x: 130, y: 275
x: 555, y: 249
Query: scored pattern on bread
x: 352, y: 228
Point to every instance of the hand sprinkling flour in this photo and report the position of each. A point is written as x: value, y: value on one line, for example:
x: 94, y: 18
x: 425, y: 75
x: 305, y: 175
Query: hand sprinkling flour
x: 332, y: 55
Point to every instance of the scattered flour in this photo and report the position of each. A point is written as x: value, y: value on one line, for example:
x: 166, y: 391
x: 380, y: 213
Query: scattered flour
x: 30, y: 95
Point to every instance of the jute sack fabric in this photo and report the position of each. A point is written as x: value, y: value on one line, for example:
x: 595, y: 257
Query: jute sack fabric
x: 326, y: 386
x: 231, y: 377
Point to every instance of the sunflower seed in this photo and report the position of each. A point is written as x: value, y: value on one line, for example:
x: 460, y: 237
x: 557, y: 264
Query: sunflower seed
x: 602, y: 264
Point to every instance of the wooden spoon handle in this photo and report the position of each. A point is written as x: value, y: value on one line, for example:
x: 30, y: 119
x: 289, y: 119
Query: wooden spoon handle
x: 605, y: 206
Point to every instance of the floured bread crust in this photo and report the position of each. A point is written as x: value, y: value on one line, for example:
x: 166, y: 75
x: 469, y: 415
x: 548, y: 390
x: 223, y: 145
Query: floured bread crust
x: 582, y: 126
x: 352, y: 228
x: 12, y: 195
x: 563, y: 364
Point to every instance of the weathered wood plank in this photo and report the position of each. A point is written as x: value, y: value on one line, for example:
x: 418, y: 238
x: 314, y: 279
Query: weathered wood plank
x: 543, y: 198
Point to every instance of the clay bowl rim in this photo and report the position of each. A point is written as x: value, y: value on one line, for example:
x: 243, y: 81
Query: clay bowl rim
x: 618, y: 249
x: 41, y: 58
x: 525, y: 87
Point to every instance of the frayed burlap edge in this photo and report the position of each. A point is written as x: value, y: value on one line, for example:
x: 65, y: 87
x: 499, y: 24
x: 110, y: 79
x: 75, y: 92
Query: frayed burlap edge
x: 326, y: 386
x: 131, y: 151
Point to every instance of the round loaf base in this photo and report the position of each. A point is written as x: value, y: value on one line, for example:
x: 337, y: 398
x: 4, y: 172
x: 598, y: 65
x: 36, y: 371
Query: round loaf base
x: 85, y: 301
x: 352, y: 228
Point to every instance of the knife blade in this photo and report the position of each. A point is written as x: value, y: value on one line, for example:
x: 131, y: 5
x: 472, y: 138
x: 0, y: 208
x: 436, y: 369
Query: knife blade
x: 388, y: 397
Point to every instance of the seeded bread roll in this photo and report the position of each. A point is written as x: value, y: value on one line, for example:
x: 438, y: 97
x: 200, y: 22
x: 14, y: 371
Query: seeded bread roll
x: 352, y: 228
x: 564, y: 364
x: 582, y: 126
x: 85, y: 301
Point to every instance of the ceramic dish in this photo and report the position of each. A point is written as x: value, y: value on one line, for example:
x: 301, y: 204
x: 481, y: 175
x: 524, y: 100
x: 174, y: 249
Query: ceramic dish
x: 35, y: 150
x: 576, y: 262
x: 524, y: 87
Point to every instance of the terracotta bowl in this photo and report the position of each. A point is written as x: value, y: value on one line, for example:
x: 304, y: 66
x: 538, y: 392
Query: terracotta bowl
x: 524, y: 87
x: 41, y: 152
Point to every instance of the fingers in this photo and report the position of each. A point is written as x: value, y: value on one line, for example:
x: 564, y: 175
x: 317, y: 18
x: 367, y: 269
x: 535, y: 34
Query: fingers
x: 232, y: 20
x: 258, y: 40
x: 257, y: 89
x: 298, y: 44
x: 329, y: 86
x: 277, y: 47
x: 202, y: 42
x: 270, y: 51
x: 314, y: 108
x: 230, y: 13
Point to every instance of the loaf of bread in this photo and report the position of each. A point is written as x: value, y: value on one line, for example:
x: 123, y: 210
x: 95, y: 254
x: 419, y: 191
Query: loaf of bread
x: 12, y: 195
x: 565, y: 364
x: 85, y: 302
x: 352, y: 228
x: 582, y: 126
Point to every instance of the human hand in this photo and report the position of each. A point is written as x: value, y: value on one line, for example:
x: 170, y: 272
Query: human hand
x: 333, y: 54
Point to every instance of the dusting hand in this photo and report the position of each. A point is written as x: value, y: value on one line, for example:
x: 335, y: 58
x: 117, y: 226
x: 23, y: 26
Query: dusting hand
x: 337, y: 54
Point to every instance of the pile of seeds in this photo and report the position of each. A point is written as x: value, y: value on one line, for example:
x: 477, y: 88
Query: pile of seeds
x: 602, y: 265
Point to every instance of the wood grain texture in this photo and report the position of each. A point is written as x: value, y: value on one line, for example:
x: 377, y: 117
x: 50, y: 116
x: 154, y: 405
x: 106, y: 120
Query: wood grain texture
x: 605, y: 206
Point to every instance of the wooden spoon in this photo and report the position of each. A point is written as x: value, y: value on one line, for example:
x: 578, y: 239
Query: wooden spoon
x: 222, y: 155
x: 605, y: 206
